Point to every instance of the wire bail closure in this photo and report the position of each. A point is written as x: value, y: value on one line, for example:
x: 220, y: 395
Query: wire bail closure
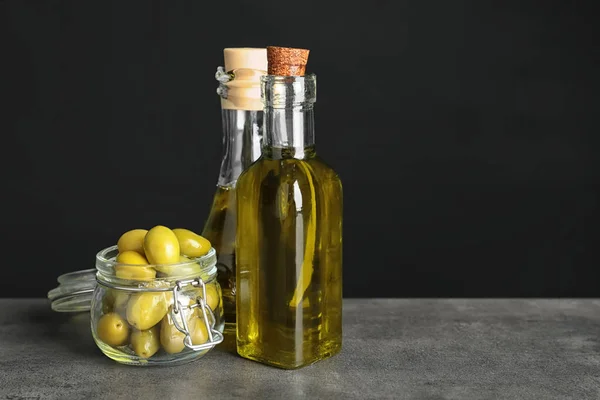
x: 214, y: 336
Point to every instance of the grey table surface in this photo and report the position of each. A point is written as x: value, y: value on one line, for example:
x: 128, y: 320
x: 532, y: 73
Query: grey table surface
x: 393, y: 349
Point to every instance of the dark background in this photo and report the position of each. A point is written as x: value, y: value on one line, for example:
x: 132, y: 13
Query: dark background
x: 464, y: 133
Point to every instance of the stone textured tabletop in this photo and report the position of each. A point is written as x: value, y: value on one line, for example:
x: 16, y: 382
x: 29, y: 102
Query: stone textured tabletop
x: 393, y: 349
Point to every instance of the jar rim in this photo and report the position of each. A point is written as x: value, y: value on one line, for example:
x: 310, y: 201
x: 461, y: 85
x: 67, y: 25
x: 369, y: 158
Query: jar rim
x: 105, y: 263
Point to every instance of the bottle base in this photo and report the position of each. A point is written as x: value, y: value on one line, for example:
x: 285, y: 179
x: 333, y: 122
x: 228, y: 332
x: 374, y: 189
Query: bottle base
x: 285, y: 361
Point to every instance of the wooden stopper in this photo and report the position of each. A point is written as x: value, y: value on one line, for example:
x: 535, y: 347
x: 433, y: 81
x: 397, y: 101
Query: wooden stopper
x: 245, y: 57
x: 286, y: 61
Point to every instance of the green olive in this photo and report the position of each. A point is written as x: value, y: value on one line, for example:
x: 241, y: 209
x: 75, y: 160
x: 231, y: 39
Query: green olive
x: 112, y: 329
x: 161, y: 246
x: 146, y: 343
x: 189, y: 269
x: 171, y: 338
x: 132, y: 258
x: 115, y: 301
x: 213, y: 297
x: 130, y: 270
x: 132, y: 241
x: 120, y: 302
x: 108, y: 301
x: 199, y: 333
x: 191, y: 244
x: 144, y: 310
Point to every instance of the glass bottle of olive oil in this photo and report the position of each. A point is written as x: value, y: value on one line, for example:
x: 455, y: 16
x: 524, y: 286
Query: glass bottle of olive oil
x: 242, y: 117
x: 289, y: 237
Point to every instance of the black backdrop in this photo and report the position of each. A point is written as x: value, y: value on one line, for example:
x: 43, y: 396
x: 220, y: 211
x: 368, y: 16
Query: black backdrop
x: 463, y: 132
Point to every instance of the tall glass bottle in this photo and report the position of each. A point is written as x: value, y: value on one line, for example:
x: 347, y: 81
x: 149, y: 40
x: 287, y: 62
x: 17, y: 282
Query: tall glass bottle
x: 242, y: 117
x: 289, y: 237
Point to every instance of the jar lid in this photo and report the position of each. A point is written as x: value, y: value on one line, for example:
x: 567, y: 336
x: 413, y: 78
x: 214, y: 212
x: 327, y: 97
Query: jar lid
x: 74, y: 292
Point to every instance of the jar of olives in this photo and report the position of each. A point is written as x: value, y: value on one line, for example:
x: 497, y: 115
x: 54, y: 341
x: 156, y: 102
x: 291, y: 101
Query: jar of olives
x: 143, y: 314
x: 153, y: 298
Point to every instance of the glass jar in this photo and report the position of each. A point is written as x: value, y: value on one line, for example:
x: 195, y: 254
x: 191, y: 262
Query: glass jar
x: 169, y: 314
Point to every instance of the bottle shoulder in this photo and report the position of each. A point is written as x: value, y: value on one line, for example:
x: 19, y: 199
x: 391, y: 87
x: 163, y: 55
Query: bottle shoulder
x: 249, y: 172
x: 324, y: 169
x: 317, y: 164
x: 266, y: 172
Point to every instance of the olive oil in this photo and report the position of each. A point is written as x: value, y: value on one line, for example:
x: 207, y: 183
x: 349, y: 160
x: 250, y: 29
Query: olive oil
x: 289, y: 239
x: 220, y: 229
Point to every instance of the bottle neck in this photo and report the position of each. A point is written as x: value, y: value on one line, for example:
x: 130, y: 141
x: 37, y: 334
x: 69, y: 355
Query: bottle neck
x: 289, y: 116
x: 242, y: 137
x: 289, y: 132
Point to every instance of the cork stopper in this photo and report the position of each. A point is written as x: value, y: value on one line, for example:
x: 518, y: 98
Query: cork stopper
x: 287, y: 61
